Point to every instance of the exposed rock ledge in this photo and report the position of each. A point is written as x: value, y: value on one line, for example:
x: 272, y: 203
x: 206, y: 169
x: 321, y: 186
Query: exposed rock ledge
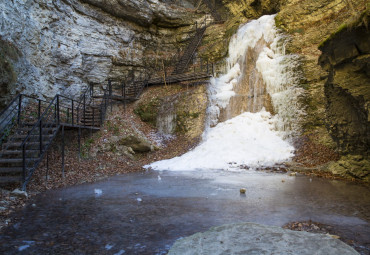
x: 250, y: 238
x: 346, y: 57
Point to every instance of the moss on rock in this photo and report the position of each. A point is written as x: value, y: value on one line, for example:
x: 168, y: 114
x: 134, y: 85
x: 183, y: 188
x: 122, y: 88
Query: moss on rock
x: 148, y: 112
x: 351, y: 167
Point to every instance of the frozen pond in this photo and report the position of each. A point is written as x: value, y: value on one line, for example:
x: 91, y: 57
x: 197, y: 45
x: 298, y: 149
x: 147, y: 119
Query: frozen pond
x: 144, y: 213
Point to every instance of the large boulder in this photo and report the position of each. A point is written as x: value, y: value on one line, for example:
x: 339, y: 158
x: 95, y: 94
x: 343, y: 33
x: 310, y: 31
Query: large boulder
x: 137, y: 143
x: 251, y: 238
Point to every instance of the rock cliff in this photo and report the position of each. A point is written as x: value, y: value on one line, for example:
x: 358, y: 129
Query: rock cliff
x: 49, y: 47
x: 346, y: 58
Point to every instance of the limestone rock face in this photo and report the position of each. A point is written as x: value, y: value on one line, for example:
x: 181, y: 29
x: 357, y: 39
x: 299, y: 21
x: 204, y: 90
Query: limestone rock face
x: 144, y: 13
x: 184, y: 113
x: 64, y: 45
x: 175, y: 110
x: 346, y: 56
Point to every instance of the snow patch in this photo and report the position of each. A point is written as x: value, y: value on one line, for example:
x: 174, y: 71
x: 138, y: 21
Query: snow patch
x: 120, y: 252
x: 98, y: 192
x: 108, y: 247
x: 23, y: 247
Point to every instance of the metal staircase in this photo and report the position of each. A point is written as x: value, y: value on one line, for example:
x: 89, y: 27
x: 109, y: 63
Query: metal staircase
x: 28, y: 127
x: 189, y: 52
x: 123, y: 91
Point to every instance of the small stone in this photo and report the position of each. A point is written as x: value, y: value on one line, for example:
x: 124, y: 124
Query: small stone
x: 2, y: 208
x: 293, y: 174
x: 282, y: 180
x: 33, y: 205
x: 19, y: 193
x: 243, y: 190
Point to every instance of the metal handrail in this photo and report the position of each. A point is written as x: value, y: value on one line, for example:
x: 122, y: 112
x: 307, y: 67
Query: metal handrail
x: 6, y: 108
x: 57, y: 122
x: 39, y: 120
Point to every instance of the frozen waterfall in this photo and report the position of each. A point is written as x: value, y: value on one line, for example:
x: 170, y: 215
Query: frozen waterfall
x: 251, y: 107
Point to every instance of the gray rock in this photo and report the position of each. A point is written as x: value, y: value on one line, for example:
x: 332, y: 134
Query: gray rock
x: 19, y: 193
x: 137, y: 143
x: 64, y: 45
x: 127, y: 151
x: 251, y: 238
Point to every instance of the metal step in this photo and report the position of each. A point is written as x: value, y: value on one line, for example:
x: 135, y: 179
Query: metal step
x: 15, y: 160
x: 90, y: 119
x: 23, y: 136
x: 10, y: 179
x: 30, y: 128
x: 18, y: 145
x: 17, y: 152
x: 11, y: 170
x: 91, y: 125
x: 91, y: 115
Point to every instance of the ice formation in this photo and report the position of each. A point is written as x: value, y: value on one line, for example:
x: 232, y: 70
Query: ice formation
x: 252, y: 140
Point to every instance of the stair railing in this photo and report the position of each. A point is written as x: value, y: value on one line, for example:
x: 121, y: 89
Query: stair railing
x: 60, y: 111
x: 190, y: 50
x: 10, y: 117
x: 22, y: 111
x: 48, y: 126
